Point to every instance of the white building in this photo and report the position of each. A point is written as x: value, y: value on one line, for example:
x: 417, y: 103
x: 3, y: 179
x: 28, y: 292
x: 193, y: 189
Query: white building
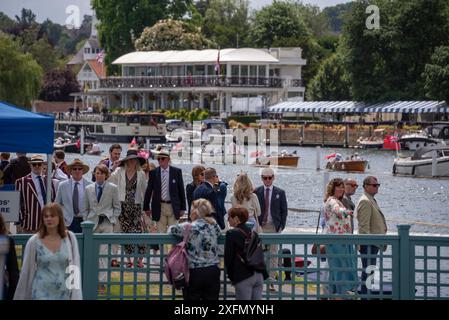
x: 248, y: 79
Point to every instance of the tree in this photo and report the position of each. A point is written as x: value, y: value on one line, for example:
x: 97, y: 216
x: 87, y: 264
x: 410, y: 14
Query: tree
x: 331, y: 82
x: 20, y: 75
x: 6, y: 23
x: 58, y: 84
x: 171, y: 35
x: 44, y: 54
x: 122, y: 22
x: 226, y: 22
x: 27, y: 19
x: 336, y: 15
x: 436, y: 75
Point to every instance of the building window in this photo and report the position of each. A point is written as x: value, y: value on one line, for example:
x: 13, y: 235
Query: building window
x: 99, y: 129
x: 113, y: 130
x: 262, y: 71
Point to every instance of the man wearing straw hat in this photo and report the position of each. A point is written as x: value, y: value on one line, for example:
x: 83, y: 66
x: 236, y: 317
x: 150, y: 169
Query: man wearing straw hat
x: 70, y: 195
x: 33, y: 195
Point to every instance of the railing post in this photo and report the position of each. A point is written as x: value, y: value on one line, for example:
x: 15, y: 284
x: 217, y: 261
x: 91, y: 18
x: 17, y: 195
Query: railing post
x: 406, y: 276
x: 88, y: 269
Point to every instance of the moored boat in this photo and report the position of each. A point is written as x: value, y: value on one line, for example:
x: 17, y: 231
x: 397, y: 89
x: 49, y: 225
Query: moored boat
x: 420, y: 164
x: 348, y: 165
x: 278, y: 160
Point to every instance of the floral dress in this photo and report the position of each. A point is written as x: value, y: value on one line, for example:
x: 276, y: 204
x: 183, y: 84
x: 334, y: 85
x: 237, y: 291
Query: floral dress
x: 130, y: 217
x: 49, y: 281
x: 338, y: 221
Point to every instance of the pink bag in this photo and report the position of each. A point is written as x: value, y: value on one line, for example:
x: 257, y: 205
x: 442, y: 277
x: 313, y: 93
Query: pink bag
x: 176, y: 266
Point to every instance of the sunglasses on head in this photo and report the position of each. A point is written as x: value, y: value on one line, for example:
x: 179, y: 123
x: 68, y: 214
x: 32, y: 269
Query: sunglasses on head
x: 267, y: 178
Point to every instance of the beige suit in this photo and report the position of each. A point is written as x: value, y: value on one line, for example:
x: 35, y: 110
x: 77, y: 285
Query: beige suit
x: 369, y: 216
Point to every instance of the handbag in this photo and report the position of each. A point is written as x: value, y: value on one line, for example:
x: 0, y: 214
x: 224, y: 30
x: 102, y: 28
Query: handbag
x: 316, y: 247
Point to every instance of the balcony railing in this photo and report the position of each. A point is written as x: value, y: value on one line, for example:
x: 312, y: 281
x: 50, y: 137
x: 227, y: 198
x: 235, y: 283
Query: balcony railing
x: 197, y: 81
x: 412, y: 267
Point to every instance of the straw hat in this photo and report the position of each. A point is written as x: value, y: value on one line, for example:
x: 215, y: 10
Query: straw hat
x: 78, y: 163
x: 162, y: 154
x: 37, y: 158
x: 132, y: 154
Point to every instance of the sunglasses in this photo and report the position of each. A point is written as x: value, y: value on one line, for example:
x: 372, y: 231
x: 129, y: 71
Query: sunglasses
x: 161, y: 159
x: 36, y: 164
x: 77, y: 169
x: 373, y: 184
x: 267, y: 178
x: 353, y: 185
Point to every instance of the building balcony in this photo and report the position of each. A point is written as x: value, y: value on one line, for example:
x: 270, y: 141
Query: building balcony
x: 196, y: 81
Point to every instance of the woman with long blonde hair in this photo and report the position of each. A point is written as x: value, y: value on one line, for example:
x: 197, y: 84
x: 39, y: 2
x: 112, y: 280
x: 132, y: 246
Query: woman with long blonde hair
x: 244, y: 197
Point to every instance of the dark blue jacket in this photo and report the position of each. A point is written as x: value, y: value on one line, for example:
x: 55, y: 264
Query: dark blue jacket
x: 278, y: 207
x: 206, y: 191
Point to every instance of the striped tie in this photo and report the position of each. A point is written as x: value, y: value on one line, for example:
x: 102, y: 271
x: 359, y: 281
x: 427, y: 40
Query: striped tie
x: 164, y: 187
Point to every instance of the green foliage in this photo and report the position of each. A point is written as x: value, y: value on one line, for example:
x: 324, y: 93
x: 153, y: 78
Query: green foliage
x: 44, y: 54
x: 58, y: 84
x: 171, y: 35
x: 226, y: 22
x: 246, y: 119
x: 20, y: 75
x: 6, y: 23
x: 194, y: 115
x: 436, y: 75
x: 337, y: 15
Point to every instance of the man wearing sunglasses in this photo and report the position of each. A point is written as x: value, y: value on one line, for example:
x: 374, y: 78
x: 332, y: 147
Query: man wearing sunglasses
x: 33, y: 195
x: 370, y: 221
x: 273, y: 205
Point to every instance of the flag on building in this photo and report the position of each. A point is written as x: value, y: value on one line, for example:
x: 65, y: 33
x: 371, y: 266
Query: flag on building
x: 217, y: 64
x: 100, y: 56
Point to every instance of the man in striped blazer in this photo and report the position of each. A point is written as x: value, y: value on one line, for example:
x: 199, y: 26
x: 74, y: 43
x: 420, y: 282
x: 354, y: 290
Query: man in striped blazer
x: 33, y: 193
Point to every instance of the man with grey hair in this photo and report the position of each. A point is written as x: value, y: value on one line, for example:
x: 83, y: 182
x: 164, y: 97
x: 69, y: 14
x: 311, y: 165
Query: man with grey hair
x: 350, y: 188
x: 370, y: 221
x: 274, y: 210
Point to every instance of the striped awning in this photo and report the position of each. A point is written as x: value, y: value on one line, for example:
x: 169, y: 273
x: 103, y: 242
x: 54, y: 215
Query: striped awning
x: 359, y: 107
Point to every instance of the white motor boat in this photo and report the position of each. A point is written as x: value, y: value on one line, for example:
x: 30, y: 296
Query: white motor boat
x: 420, y: 164
x: 420, y: 139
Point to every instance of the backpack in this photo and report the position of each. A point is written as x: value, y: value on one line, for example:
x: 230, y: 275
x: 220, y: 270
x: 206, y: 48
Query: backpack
x: 176, y: 266
x: 252, y: 255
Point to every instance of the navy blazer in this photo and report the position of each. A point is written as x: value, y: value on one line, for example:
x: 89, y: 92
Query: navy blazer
x: 176, y: 189
x: 206, y: 191
x: 278, y: 207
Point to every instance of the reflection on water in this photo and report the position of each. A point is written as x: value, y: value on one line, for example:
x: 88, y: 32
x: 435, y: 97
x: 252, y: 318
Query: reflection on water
x: 421, y: 202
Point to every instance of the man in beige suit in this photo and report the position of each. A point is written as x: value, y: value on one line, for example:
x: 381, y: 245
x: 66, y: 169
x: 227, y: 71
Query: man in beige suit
x: 370, y: 221
x: 102, y: 207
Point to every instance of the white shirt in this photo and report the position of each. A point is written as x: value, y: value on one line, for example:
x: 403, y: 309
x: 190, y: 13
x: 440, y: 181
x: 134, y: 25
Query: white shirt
x: 165, y: 174
x: 37, y: 185
x: 269, y: 219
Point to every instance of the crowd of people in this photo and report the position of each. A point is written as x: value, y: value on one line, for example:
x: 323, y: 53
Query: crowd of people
x: 125, y: 192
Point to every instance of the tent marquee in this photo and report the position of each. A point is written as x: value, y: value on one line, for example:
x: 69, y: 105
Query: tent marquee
x: 359, y: 107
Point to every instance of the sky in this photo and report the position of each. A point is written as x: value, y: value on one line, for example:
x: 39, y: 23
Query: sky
x: 72, y: 11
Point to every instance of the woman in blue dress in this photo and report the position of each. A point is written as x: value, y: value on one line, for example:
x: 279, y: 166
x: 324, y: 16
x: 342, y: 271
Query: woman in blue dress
x: 51, y: 263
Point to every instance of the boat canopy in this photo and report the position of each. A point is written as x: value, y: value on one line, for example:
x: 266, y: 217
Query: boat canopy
x: 422, y: 151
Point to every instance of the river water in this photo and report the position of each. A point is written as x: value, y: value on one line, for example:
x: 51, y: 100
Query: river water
x: 421, y: 202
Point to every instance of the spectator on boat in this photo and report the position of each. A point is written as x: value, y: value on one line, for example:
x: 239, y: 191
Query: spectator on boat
x: 102, y: 207
x: 4, y: 160
x: 47, y: 256
x: 248, y: 283
x: 370, y: 220
x: 33, y: 195
x: 113, y: 161
x: 198, y: 179
x: 131, y: 182
x: 60, y: 161
x: 244, y: 197
x: 338, y: 221
x: 207, y: 191
x: 71, y: 193
x: 165, y: 199
x: 350, y: 188
x: 202, y: 252
x: 16, y: 169
x: 274, y: 211
x: 11, y: 266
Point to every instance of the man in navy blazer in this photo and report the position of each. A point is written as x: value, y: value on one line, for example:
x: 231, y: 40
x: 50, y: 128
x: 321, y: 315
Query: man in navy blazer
x: 206, y: 191
x: 166, y: 193
x: 274, y: 210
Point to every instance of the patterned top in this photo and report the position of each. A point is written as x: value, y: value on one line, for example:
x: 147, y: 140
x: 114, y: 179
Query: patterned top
x: 337, y: 217
x: 202, y: 243
x: 131, y: 185
x: 50, y: 279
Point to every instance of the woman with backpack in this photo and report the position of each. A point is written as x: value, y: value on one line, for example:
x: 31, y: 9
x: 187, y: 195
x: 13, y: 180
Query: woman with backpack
x: 248, y: 282
x: 202, y: 252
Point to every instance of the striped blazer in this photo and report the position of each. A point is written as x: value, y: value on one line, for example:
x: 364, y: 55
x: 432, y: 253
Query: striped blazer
x: 30, y: 208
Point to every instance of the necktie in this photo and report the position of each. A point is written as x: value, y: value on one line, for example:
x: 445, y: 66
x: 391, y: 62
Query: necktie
x: 267, y: 204
x: 41, y: 184
x: 164, y: 194
x: 100, y: 192
x: 75, y: 198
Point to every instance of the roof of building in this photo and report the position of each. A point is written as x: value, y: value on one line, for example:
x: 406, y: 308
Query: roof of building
x: 94, y: 43
x: 197, y: 56
x: 41, y: 106
x: 359, y: 107
x: 98, y: 68
x: 78, y: 58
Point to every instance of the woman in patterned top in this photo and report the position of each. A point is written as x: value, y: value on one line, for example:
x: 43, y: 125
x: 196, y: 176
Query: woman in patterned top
x: 343, y: 269
x: 202, y: 250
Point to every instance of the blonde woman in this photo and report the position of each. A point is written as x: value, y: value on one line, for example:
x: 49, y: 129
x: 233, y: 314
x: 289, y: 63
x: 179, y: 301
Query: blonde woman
x: 202, y: 250
x: 244, y: 197
x: 131, y: 182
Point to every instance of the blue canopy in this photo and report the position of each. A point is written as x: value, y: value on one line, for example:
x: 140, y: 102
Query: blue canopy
x: 24, y: 131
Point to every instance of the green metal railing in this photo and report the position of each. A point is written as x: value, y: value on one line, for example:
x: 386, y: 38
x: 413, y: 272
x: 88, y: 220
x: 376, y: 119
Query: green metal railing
x: 412, y: 267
